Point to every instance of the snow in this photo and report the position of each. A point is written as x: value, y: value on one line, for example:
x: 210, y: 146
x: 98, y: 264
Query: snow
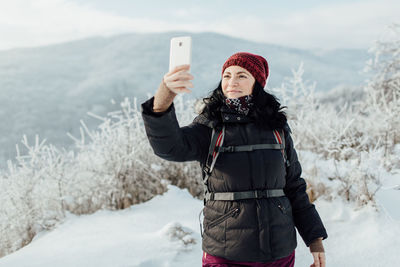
x: 389, y: 196
x: 364, y: 237
x: 154, y: 233
x: 137, y: 236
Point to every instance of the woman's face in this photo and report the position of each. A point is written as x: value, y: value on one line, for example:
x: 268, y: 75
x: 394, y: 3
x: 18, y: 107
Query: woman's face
x: 237, y: 82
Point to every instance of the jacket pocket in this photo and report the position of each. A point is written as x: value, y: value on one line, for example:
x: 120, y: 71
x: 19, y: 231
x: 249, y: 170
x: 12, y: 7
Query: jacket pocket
x: 285, y: 207
x: 232, y: 213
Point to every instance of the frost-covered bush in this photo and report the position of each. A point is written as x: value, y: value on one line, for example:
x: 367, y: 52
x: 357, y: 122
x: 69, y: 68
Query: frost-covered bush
x: 320, y: 128
x: 363, y: 130
x: 340, y: 135
x: 382, y: 104
x: 369, y: 122
x: 384, y: 87
x: 31, y: 196
x: 111, y: 167
x: 181, y: 236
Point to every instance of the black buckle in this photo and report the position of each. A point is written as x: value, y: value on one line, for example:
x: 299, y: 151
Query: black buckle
x: 261, y: 193
x: 205, y: 195
x: 229, y: 149
x: 211, y: 195
x: 206, y: 169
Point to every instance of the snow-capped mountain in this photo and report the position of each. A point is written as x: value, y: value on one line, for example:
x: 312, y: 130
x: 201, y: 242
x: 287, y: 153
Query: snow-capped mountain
x: 47, y: 90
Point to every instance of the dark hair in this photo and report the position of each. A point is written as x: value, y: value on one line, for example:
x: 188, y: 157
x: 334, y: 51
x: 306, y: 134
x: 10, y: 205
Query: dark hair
x: 267, y: 110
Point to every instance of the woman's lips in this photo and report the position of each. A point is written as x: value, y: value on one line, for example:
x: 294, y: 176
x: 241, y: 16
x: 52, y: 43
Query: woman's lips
x: 233, y: 91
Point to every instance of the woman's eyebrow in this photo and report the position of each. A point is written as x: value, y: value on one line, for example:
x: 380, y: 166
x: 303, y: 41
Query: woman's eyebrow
x: 240, y: 72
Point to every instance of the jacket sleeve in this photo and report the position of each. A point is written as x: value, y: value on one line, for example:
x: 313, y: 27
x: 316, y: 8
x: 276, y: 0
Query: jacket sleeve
x: 305, y: 216
x: 171, y: 142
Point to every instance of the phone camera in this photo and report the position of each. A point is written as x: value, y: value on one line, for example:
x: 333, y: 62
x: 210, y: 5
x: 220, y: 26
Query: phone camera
x: 180, y: 43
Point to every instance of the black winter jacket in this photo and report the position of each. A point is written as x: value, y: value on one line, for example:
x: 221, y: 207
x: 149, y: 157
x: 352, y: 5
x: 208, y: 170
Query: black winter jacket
x: 253, y: 230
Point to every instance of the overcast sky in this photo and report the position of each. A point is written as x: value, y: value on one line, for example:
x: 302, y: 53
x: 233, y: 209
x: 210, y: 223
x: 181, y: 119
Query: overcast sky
x: 302, y: 24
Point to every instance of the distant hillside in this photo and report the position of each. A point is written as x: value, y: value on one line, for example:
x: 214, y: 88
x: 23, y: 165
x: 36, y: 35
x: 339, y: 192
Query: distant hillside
x: 47, y: 90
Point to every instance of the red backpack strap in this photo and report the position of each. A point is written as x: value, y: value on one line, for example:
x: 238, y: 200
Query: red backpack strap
x: 280, y: 139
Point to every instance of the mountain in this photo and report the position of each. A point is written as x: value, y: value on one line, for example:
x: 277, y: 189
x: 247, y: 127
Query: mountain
x: 47, y: 90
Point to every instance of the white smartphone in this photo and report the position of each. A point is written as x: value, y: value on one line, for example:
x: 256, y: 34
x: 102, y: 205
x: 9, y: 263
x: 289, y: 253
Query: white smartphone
x: 180, y: 51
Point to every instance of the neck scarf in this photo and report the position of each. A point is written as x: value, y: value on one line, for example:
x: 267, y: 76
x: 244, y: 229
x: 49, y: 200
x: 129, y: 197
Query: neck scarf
x: 241, y: 105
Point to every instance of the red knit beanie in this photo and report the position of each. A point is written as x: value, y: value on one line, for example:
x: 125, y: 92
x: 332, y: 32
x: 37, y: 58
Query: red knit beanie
x: 255, y: 64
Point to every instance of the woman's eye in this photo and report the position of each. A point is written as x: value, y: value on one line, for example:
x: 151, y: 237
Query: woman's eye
x: 226, y: 76
x: 242, y: 76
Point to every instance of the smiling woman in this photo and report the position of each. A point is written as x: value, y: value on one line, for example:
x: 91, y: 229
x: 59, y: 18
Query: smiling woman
x: 237, y: 82
x: 254, y: 196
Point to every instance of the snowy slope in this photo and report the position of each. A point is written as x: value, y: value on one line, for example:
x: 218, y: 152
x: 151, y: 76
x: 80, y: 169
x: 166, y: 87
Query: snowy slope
x: 142, y: 236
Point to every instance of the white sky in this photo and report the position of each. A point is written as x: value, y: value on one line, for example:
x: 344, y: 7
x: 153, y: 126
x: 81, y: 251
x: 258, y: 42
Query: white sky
x: 302, y: 24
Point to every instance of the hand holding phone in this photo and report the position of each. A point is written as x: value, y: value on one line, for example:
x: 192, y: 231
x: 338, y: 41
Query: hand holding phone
x: 178, y: 78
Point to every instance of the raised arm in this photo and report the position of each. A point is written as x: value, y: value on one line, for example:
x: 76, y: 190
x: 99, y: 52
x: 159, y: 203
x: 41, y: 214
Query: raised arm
x: 168, y: 140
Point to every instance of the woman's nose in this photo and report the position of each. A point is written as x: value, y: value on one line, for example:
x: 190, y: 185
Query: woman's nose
x: 233, y: 81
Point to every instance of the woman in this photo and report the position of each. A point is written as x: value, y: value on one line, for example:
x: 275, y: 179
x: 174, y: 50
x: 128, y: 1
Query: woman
x: 254, y: 195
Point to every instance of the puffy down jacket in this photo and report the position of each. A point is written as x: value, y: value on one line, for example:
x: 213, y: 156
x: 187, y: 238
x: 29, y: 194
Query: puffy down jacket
x: 259, y: 230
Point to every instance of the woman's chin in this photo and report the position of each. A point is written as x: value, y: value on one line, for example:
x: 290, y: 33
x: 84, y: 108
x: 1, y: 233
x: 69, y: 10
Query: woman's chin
x: 234, y: 95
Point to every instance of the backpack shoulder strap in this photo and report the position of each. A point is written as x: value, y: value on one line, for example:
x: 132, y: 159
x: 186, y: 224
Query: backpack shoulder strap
x: 280, y: 138
x: 217, y: 138
x: 216, y: 141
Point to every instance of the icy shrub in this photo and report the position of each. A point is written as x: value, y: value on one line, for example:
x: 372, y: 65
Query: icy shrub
x: 342, y: 135
x: 184, y: 175
x: 31, y: 199
x: 180, y: 235
x: 114, y: 169
x: 364, y: 130
x: 382, y: 105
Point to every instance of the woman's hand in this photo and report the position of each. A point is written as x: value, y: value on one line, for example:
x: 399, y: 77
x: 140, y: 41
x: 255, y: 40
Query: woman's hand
x: 178, y: 79
x: 173, y: 83
x: 319, y: 259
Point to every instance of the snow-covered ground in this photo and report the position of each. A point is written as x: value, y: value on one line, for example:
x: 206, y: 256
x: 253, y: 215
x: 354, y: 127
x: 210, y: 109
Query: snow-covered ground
x: 165, y: 232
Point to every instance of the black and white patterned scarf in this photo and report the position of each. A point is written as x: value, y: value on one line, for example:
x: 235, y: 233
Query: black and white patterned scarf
x: 241, y: 105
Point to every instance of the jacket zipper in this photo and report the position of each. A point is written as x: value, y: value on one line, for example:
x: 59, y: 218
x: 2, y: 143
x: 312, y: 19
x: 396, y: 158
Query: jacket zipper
x: 279, y: 205
x: 282, y: 208
x: 219, y: 220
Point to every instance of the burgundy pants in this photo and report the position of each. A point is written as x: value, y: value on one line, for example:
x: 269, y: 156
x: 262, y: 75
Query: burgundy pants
x: 213, y: 261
